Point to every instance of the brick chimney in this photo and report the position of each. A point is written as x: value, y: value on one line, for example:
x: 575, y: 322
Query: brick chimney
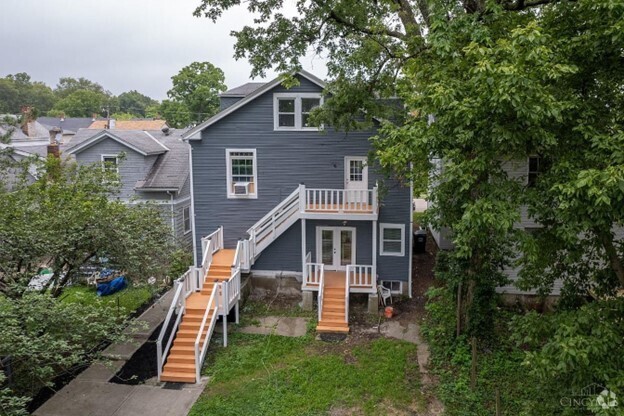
x: 27, y: 118
x: 53, y: 147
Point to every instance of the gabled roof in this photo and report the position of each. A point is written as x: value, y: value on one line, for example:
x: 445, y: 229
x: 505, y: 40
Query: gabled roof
x: 138, y: 140
x: 129, y: 124
x: 193, y: 134
x: 243, y: 90
x: 171, y: 169
x: 67, y: 124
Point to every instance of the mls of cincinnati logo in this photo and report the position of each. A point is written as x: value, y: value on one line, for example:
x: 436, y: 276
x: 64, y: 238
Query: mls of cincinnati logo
x: 593, y: 395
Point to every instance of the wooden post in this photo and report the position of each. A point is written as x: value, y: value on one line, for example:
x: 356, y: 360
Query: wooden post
x: 459, y: 294
x: 473, y: 367
x: 498, y: 405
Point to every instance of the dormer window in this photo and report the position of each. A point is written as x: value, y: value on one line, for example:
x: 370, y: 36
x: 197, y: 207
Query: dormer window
x: 292, y: 111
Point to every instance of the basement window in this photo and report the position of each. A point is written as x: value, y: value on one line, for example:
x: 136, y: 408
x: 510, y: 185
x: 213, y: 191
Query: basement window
x: 395, y: 286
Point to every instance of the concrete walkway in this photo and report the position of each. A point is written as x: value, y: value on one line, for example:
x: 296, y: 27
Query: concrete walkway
x: 411, y: 333
x: 278, y: 325
x: 90, y: 394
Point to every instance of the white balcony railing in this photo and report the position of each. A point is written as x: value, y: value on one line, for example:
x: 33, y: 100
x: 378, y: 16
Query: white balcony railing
x: 361, y: 277
x: 340, y: 201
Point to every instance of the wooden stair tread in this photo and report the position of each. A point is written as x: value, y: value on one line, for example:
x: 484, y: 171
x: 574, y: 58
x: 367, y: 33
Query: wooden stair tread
x: 177, y: 377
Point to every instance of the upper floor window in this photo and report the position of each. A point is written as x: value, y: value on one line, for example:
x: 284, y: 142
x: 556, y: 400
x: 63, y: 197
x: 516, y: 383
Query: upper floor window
x: 292, y: 111
x: 242, y: 173
x: 536, y: 167
x: 110, y: 163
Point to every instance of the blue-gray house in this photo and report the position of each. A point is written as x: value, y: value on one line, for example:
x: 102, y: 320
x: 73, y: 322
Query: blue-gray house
x: 299, y: 202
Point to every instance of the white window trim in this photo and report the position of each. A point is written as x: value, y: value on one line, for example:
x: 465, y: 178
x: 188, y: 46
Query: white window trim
x: 185, y: 217
x: 394, y: 292
x: 298, y: 115
x: 382, y: 227
x: 228, y: 168
x: 116, y: 157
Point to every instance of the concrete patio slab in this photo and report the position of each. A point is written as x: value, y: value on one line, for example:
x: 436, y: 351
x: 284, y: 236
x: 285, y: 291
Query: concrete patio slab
x: 278, y: 325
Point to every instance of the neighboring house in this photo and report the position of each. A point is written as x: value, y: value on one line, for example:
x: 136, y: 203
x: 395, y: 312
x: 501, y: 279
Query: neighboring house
x: 526, y: 172
x: 68, y: 125
x: 145, y: 124
x: 153, y: 166
x: 27, y: 138
x: 306, y: 202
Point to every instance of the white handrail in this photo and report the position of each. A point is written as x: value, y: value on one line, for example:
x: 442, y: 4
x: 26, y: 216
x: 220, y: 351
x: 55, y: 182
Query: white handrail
x: 347, y: 298
x: 320, y: 292
x: 313, y: 274
x: 293, y: 196
x: 177, y: 298
x: 217, y: 238
x: 200, y: 355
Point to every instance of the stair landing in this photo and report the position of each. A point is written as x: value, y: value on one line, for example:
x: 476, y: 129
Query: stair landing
x: 334, y: 306
x: 180, y: 364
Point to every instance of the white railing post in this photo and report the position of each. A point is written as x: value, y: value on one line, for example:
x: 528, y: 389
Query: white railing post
x: 375, y: 201
x: 302, y: 198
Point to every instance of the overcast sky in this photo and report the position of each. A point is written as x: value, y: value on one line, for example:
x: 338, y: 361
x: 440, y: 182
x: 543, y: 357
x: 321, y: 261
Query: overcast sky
x: 121, y: 44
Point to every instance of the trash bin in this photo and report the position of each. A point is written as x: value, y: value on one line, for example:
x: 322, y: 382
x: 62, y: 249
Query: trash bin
x: 420, y: 241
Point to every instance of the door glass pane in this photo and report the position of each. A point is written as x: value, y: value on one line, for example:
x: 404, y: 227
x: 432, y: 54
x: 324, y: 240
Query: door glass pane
x: 346, y: 245
x: 327, y: 247
x: 356, y: 168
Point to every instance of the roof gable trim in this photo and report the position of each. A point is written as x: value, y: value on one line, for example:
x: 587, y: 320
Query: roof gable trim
x: 194, y: 133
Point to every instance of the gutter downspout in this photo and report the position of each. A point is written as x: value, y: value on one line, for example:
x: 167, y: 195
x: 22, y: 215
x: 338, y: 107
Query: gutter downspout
x: 192, y: 209
x: 171, y: 194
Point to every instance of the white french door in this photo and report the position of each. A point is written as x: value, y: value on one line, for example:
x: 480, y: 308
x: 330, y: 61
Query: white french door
x: 335, y: 247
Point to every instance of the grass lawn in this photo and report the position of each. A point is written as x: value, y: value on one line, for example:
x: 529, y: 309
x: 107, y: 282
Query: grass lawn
x: 128, y: 300
x: 273, y: 375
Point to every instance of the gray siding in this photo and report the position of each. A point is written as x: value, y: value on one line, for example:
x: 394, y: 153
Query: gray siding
x: 133, y: 168
x: 284, y: 159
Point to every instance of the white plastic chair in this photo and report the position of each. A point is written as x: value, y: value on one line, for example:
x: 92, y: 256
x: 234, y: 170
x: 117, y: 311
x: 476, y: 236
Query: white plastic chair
x: 384, y: 294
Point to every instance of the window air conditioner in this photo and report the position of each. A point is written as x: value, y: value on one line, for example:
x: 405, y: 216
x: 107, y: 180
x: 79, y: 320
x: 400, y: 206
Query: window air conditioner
x: 241, y: 188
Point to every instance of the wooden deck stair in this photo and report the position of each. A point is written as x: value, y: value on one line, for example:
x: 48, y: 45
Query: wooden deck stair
x: 333, y: 312
x: 180, y: 365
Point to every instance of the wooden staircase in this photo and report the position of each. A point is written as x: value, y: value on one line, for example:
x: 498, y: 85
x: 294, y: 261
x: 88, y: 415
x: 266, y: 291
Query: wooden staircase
x: 180, y: 365
x: 334, y: 304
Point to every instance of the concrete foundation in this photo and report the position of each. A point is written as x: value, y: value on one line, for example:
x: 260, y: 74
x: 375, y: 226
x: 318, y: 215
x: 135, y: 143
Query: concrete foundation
x: 373, y: 303
x: 307, y: 303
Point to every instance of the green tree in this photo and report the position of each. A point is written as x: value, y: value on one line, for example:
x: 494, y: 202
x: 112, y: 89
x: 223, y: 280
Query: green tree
x: 176, y: 113
x: 69, y: 85
x: 81, y: 103
x: 197, y: 86
x: 17, y: 91
x: 45, y: 338
x: 133, y: 102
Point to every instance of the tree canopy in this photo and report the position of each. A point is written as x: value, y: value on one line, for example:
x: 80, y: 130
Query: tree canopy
x: 68, y: 217
x: 197, y: 86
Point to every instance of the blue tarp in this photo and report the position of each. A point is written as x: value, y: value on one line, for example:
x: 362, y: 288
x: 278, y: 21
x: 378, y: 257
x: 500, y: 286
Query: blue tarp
x: 115, y: 285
